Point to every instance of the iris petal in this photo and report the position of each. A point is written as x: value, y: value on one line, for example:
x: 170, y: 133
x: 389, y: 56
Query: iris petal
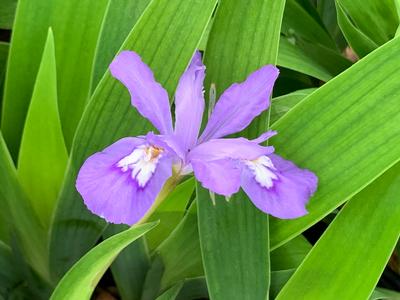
x: 189, y: 102
x: 241, y: 103
x: 112, y: 193
x: 288, y: 196
x: 147, y: 95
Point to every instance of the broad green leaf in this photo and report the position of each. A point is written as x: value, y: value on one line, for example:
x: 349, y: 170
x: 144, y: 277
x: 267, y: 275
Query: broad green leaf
x: 3, y: 62
x: 298, y: 22
x: 357, y: 40
x: 76, y: 25
x: 327, y: 11
x: 180, y: 252
x: 278, y: 281
x: 342, y: 251
x: 234, y: 244
x: 82, y: 278
x: 120, y: 18
x: 282, y: 104
x: 17, y: 279
x: 171, y: 293
x: 227, y: 229
x: 130, y: 267
x: 381, y: 293
x: 7, y: 12
x: 43, y: 155
x: 378, y: 20
x: 170, y: 212
x: 290, y: 255
x: 292, y: 57
x: 31, y: 236
x: 110, y: 116
x: 345, y: 144
x: 192, y: 288
x: 177, y: 258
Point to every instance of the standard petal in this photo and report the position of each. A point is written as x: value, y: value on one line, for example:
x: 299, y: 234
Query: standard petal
x: 235, y: 148
x: 147, y: 95
x: 290, y: 193
x: 189, y: 103
x: 220, y: 176
x: 241, y: 103
x: 113, y: 194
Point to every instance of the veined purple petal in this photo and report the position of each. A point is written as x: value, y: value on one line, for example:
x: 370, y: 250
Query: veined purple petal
x: 111, y: 192
x: 232, y: 148
x: 147, y: 95
x: 290, y: 193
x: 189, y: 103
x: 265, y: 136
x: 241, y: 103
x: 220, y: 176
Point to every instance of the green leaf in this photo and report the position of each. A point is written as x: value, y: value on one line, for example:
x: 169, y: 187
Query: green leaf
x: 380, y: 293
x: 170, y: 212
x: 290, y: 255
x: 110, y: 116
x: 278, y: 281
x: 298, y: 22
x: 30, y: 235
x: 282, y: 104
x: 82, y: 278
x: 3, y: 62
x: 236, y: 232
x: 342, y: 248
x: 43, y: 155
x: 130, y: 267
x: 120, y: 18
x: 177, y: 258
x: 76, y: 25
x: 171, y: 293
x: 7, y: 12
x: 228, y: 229
x: 292, y: 57
x: 180, y: 252
x: 340, y: 140
x: 357, y: 40
x: 378, y: 20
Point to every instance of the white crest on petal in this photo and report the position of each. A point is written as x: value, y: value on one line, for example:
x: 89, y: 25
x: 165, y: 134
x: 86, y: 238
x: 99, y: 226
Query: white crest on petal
x: 262, y: 168
x: 142, y: 162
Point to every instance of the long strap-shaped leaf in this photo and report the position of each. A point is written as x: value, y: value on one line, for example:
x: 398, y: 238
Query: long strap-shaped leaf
x: 360, y: 239
x: 76, y: 24
x: 28, y: 230
x: 234, y: 235
x: 43, y: 155
x: 346, y: 132
x: 82, y: 278
x: 166, y: 37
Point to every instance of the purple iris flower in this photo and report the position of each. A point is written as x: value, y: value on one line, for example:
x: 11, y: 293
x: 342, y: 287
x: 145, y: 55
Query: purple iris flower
x: 121, y: 183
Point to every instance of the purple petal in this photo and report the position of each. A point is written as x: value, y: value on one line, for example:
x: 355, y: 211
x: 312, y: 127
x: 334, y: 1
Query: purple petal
x: 290, y: 193
x: 189, y: 101
x: 220, y: 176
x: 265, y: 136
x: 241, y: 103
x: 147, y: 95
x: 235, y: 148
x: 111, y: 193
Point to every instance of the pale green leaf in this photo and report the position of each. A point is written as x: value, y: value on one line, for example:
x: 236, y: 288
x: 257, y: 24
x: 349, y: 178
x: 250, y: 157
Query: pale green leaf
x: 348, y: 135
x: 341, y: 251
x: 76, y: 25
x: 43, y: 155
x: 80, y: 281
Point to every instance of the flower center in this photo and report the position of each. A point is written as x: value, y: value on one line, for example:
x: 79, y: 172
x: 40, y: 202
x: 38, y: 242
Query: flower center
x: 142, y: 163
x: 262, y: 169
